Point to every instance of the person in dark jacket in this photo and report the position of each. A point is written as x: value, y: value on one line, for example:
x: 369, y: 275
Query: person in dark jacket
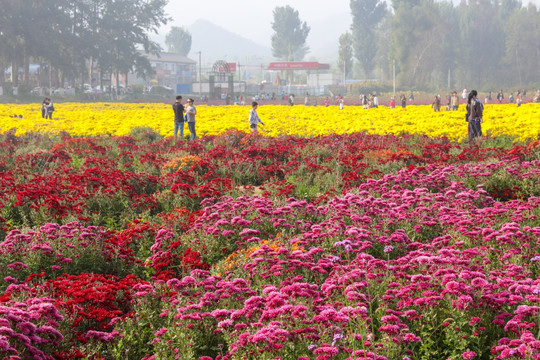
x: 500, y: 96
x: 48, y: 109
x: 436, y: 105
x: 178, y: 109
x: 43, y: 110
x: 475, y: 111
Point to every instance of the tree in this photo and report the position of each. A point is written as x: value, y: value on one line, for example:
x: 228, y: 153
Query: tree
x: 65, y: 34
x: 522, y: 56
x: 289, y: 38
x: 25, y: 26
x: 345, y: 60
x: 366, y: 16
x: 178, y: 40
x: 416, y: 41
x: 124, y: 26
x: 482, y: 39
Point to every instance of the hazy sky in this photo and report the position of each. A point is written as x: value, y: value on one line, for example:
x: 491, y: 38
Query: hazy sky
x: 251, y: 18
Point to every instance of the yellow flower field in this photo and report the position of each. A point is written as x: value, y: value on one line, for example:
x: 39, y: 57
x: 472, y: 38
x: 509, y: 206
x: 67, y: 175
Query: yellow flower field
x: 118, y: 118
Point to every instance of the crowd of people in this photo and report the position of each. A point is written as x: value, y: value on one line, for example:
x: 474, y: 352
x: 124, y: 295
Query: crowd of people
x: 474, y: 108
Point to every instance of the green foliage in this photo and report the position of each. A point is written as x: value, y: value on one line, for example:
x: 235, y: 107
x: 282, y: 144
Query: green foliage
x: 112, y: 33
x: 289, y: 38
x: 345, y: 60
x: 146, y: 134
x: 178, y: 40
x: 366, y: 14
x: 522, y: 45
x: 368, y: 87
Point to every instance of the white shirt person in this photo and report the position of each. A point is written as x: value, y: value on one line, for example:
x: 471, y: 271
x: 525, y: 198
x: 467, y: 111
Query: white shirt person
x: 254, y: 118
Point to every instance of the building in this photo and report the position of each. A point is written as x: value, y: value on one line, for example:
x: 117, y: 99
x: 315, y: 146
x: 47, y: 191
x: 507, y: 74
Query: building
x: 170, y: 70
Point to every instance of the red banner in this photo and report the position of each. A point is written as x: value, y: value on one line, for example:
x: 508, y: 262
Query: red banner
x: 231, y: 66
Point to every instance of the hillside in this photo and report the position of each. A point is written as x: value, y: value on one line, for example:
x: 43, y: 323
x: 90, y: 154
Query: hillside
x: 217, y: 43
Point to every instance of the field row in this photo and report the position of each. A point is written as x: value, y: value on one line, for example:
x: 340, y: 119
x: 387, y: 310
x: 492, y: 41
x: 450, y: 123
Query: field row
x: 118, y: 119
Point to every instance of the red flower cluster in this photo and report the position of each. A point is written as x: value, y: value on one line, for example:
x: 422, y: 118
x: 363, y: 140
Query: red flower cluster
x: 91, y: 301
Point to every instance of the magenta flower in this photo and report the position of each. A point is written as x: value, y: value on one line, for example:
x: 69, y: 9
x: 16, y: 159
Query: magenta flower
x: 468, y: 355
x: 160, y: 332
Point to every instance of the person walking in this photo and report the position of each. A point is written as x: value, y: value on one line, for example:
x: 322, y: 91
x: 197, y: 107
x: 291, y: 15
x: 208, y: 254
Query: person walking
x: 191, y: 111
x: 178, y: 109
x: 291, y: 99
x: 475, y: 111
x: 254, y: 118
x: 436, y: 105
x: 500, y: 96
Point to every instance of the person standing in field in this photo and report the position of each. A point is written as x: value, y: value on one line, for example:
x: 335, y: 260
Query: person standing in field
x: 178, y: 109
x: 48, y: 108
x: 43, y: 109
x: 403, y: 101
x: 190, y: 113
x: 455, y: 101
x: 475, y: 110
x: 436, y: 105
x: 254, y: 118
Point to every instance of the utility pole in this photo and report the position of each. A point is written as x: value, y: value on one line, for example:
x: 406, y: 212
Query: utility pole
x: 394, y: 75
x: 200, y: 97
x: 345, y: 74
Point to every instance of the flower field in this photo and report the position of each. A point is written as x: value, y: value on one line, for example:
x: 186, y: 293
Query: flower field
x: 116, y: 242
x: 117, y: 119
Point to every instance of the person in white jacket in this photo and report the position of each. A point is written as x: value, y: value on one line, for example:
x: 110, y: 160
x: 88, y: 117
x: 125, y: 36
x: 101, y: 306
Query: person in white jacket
x: 254, y: 118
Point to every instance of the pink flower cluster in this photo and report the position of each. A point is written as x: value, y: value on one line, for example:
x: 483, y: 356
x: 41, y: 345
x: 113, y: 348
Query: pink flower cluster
x: 26, y: 327
x: 366, y: 269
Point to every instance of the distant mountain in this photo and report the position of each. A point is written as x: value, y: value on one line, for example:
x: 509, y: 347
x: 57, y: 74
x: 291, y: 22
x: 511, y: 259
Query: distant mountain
x: 217, y: 43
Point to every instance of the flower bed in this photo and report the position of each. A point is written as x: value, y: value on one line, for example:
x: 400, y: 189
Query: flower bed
x: 119, y: 118
x: 235, y: 246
